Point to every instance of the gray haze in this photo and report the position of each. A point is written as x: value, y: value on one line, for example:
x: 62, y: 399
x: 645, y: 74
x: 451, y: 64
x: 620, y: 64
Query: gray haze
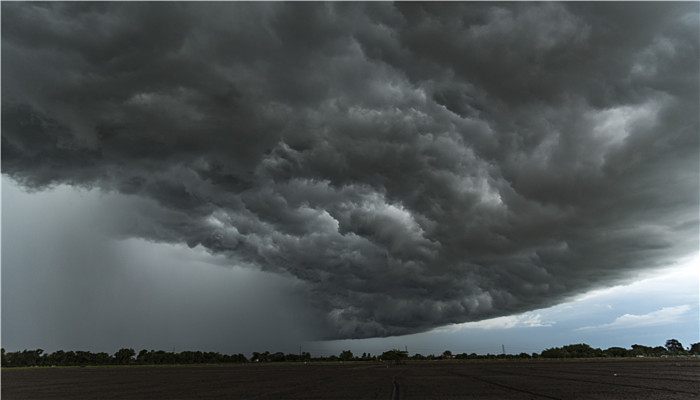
x: 408, y: 165
x: 67, y: 284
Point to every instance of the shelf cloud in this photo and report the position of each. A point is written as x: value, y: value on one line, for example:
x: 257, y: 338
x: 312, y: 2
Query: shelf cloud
x: 414, y: 165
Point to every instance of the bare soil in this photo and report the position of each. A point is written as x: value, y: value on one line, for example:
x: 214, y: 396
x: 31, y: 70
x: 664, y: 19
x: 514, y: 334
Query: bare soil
x: 496, y: 379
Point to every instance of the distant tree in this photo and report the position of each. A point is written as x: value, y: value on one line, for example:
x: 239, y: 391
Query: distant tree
x: 554, y: 352
x: 346, y: 355
x: 24, y: 358
x: 695, y: 348
x: 394, y: 355
x: 446, y: 354
x: 101, y: 358
x: 658, y: 351
x: 640, y: 350
x: 674, y: 346
x: 124, y: 356
x: 260, y: 357
x: 615, y: 352
x: 580, y: 350
x: 277, y: 357
x: 142, y: 357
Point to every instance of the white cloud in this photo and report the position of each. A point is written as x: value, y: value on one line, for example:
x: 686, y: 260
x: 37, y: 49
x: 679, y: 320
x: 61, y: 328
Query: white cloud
x: 613, y: 125
x: 679, y: 280
x: 663, y: 316
x: 527, y: 320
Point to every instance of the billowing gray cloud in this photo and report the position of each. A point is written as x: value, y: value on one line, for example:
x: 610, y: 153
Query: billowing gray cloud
x: 415, y: 164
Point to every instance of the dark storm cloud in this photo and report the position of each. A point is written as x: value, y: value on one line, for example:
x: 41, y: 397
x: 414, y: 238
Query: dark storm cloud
x: 415, y: 164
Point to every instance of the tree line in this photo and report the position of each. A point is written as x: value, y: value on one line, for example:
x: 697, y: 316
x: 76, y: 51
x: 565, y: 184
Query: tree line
x: 125, y: 356
x: 30, y: 358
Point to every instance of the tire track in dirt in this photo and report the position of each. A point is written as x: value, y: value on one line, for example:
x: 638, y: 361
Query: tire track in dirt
x: 396, y: 391
x: 314, y: 383
x: 629, y: 375
x: 560, y: 378
x: 507, y: 387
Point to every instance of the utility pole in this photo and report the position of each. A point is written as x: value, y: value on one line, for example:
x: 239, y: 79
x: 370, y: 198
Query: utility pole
x: 503, y: 349
x: 405, y: 348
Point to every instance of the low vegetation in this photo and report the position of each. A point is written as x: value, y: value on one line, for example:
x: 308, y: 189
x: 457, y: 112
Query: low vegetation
x: 31, y: 358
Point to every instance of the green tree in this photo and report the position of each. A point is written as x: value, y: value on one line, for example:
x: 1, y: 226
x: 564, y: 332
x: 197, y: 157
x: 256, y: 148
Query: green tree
x: 394, y: 355
x: 124, y: 356
x: 142, y: 357
x: 641, y: 350
x: 674, y: 346
x: 659, y: 351
x: 695, y: 348
x: 615, y: 352
x: 579, y: 350
x: 346, y: 355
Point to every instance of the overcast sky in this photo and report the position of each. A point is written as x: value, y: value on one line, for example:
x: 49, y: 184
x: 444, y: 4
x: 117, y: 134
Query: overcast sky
x: 240, y: 176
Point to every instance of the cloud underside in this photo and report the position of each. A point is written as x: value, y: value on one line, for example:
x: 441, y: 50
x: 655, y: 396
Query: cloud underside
x: 526, y: 320
x: 413, y: 165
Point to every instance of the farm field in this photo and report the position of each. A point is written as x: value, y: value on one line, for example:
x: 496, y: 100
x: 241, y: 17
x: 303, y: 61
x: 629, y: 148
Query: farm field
x: 492, y: 379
